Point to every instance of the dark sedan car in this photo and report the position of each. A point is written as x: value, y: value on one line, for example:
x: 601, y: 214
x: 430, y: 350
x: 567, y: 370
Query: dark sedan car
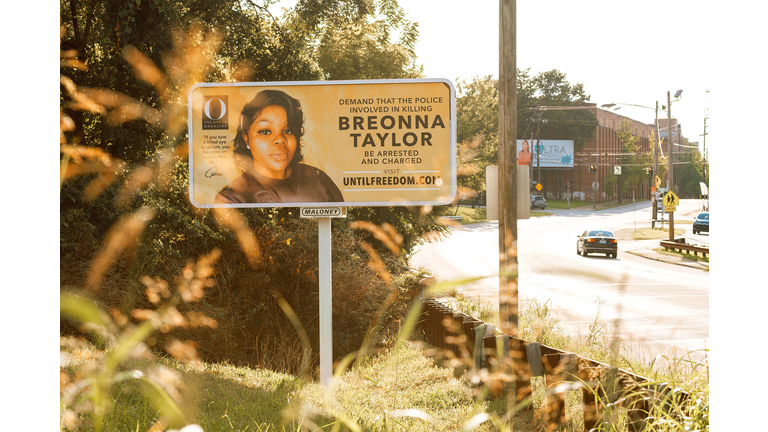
x: 597, y: 241
x: 701, y: 223
x: 538, y: 202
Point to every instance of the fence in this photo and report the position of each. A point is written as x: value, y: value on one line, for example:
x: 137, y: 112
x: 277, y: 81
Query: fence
x: 681, y: 246
x: 601, y: 385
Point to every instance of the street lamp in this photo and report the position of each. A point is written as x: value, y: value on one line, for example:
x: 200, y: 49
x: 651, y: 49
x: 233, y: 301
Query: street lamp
x: 669, y: 132
x: 671, y: 161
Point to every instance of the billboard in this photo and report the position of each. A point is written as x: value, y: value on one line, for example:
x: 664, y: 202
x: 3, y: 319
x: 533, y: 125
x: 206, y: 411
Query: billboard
x: 550, y: 153
x: 324, y: 143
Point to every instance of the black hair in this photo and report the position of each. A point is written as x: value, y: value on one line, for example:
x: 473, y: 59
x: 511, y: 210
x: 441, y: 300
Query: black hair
x: 251, y: 111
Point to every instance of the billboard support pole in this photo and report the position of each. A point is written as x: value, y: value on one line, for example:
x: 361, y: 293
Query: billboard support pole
x: 325, y: 294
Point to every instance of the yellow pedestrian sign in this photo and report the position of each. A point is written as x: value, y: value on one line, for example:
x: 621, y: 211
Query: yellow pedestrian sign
x: 671, y: 201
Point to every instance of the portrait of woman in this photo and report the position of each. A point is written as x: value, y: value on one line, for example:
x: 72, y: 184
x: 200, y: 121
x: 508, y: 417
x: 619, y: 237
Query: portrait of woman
x: 267, y: 148
x: 524, y: 155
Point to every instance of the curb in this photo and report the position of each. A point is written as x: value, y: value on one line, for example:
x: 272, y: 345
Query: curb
x: 680, y: 263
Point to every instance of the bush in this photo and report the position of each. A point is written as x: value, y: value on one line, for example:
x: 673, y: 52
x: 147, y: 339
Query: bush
x: 252, y: 330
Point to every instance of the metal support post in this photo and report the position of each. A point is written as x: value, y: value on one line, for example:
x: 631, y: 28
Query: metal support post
x: 325, y: 309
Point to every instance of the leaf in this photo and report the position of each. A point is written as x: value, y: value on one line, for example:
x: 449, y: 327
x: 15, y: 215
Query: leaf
x: 161, y: 400
x: 127, y: 344
x: 83, y: 310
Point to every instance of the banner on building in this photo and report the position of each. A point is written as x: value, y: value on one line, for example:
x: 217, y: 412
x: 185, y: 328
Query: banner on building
x: 320, y: 144
x: 550, y: 153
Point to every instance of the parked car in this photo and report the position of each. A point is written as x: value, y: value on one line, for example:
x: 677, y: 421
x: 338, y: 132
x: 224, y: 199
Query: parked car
x: 701, y: 223
x: 597, y: 241
x: 538, y: 202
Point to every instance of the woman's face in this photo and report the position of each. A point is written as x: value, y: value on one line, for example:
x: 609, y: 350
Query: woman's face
x: 525, y: 146
x: 272, y: 143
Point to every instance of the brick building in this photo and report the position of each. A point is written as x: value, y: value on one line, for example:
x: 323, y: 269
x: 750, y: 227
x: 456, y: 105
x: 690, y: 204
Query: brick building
x: 602, y: 150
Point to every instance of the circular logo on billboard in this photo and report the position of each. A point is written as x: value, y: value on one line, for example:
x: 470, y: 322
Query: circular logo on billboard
x: 218, y: 111
x: 215, y: 112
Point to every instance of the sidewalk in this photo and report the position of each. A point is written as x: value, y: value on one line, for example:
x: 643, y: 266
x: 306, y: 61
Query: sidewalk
x: 645, y: 248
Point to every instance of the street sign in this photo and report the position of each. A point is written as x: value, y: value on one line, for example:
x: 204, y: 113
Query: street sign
x: 595, y: 185
x: 539, y: 187
x: 617, y: 170
x: 671, y: 200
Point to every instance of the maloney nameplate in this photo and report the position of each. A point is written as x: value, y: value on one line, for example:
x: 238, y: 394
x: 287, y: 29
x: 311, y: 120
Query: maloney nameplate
x: 318, y: 212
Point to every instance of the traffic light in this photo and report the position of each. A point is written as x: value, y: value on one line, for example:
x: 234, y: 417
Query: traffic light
x: 649, y: 170
x: 593, y: 168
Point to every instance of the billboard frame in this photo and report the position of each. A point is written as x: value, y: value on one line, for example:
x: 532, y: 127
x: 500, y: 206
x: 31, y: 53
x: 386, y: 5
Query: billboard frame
x: 373, y: 203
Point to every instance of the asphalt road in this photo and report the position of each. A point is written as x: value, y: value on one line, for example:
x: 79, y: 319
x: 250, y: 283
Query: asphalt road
x: 654, y: 307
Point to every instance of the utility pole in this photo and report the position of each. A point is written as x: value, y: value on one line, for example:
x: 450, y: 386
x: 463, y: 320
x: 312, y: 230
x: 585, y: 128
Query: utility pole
x: 537, y: 142
x: 538, y: 148
x: 594, y: 182
x: 508, y: 289
x: 671, y: 159
x: 656, y: 145
x: 671, y: 150
x: 704, y: 155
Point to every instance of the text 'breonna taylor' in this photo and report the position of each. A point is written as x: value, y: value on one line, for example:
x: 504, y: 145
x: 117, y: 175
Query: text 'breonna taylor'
x: 392, y: 139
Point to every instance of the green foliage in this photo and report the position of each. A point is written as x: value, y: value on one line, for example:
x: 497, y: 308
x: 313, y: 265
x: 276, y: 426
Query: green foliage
x: 633, y: 161
x: 413, y: 224
x: 477, y: 130
x: 551, y: 88
x: 362, y: 49
x: 688, y: 174
x: 254, y: 48
x: 317, y: 13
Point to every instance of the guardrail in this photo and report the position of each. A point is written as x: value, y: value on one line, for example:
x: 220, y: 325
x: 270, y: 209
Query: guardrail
x: 601, y: 384
x: 680, y: 245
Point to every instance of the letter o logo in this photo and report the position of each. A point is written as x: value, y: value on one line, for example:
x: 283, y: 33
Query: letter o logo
x: 207, y: 109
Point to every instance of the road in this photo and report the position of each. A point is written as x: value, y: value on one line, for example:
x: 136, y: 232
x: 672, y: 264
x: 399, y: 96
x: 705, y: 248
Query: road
x: 654, y: 307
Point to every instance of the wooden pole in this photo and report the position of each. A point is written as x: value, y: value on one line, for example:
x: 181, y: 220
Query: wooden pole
x: 508, y: 301
x: 508, y: 288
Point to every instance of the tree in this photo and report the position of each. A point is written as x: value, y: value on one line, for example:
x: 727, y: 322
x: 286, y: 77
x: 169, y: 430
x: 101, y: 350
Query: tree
x: 253, y: 47
x: 477, y: 130
x: 688, y: 173
x: 633, y: 160
x: 552, y: 88
x: 363, y: 50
